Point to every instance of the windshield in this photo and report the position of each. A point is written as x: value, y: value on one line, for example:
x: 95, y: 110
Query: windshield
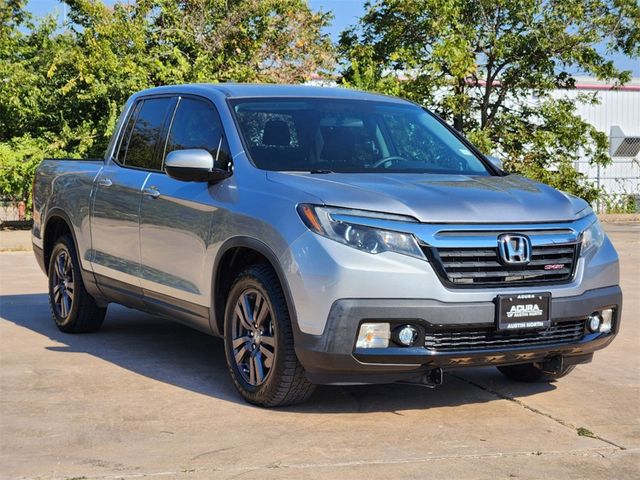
x: 349, y: 136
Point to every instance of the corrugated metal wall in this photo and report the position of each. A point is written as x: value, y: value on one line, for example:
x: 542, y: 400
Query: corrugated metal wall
x: 616, y: 108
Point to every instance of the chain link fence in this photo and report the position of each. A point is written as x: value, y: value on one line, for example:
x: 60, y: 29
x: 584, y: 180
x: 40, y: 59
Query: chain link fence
x: 619, y: 182
x: 9, y: 210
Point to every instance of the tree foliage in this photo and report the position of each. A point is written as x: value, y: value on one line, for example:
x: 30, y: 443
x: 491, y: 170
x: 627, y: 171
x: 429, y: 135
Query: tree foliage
x: 64, y: 85
x: 490, y: 67
x: 487, y: 66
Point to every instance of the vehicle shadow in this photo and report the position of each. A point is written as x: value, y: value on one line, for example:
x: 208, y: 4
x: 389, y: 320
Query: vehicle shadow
x: 178, y: 355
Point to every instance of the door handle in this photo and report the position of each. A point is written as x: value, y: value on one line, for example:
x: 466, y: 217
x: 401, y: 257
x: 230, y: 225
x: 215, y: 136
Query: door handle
x: 105, y: 182
x: 151, y: 192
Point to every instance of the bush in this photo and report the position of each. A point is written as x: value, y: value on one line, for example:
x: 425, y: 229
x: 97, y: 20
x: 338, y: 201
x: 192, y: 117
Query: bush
x: 19, y: 158
x: 620, y: 203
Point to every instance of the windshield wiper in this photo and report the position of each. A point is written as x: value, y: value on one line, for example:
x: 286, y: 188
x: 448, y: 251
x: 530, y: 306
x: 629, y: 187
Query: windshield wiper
x: 320, y: 171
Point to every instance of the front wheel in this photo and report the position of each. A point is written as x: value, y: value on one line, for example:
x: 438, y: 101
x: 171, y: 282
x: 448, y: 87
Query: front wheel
x: 72, y: 308
x: 258, y: 341
x: 532, y: 372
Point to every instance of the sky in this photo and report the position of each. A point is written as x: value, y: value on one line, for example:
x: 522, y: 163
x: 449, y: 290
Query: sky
x: 346, y: 13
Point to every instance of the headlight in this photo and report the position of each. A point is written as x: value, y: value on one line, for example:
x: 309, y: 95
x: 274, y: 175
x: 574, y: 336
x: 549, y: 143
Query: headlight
x: 592, y: 237
x: 367, y: 239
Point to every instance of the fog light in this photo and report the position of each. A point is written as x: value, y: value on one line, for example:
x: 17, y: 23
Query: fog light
x: 607, y: 320
x: 405, y: 335
x: 593, y: 322
x: 374, y: 335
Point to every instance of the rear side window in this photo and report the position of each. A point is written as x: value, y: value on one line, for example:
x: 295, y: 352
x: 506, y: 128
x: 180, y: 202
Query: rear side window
x: 196, y: 124
x: 142, y: 133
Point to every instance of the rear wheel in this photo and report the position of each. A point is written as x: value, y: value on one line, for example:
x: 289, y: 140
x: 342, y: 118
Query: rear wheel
x: 532, y: 372
x: 72, y: 308
x: 259, y: 341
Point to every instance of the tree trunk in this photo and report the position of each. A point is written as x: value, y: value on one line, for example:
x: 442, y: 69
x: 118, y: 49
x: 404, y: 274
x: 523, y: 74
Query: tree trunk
x: 458, y: 122
x: 458, y: 118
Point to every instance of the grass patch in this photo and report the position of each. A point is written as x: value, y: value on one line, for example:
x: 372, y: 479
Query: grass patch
x: 16, y: 249
x: 585, y: 432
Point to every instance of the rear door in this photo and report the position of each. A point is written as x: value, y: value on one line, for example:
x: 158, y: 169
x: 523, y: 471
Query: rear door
x: 175, y: 216
x: 115, y: 215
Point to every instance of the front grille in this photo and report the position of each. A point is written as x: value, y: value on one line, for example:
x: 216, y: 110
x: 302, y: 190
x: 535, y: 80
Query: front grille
x: 489, y: 338
x: 465, y: 267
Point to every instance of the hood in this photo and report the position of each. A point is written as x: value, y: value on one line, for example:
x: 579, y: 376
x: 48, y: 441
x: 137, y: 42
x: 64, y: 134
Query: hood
x: 439, y: 198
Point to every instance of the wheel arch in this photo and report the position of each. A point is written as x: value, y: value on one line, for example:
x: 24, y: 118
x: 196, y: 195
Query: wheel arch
x: 56, y: 225
x: 233, y: 256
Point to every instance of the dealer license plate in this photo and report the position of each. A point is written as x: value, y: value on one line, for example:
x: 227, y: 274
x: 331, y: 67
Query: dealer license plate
x: 523, y: 311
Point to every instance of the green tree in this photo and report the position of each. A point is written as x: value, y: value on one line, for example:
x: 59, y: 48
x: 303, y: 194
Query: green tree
x: 490, y: 66
x: 64, y: 85
x: 77, y: 76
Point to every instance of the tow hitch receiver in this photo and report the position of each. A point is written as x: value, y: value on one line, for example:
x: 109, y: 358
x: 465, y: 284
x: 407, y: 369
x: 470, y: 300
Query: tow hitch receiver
x: 430, y: 379
x: 553, y: 365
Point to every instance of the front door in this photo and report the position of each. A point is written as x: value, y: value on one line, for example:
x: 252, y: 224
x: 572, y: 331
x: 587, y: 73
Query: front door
x: 175, y: 217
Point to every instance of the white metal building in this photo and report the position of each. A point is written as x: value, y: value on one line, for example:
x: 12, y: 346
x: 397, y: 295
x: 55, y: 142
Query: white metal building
x: 618, y: 115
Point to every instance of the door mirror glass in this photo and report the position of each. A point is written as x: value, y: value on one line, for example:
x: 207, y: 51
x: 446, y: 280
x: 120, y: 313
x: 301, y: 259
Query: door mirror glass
x: 193, y: 165
x: 495, y: 161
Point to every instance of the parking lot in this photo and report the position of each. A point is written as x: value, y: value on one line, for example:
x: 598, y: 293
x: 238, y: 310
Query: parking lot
x: 148, y: 398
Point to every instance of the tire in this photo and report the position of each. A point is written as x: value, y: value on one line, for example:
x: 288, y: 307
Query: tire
x: 262, y: 361
x: 72, y: 308
x: 532, y: 372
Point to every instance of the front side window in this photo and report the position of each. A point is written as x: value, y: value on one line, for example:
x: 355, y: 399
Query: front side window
x: 350, y: 136
x: 197, y: 125
x: 138, y: 150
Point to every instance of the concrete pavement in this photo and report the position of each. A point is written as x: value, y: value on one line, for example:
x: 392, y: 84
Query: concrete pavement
x: 148, y: 398
x: 15, y: 240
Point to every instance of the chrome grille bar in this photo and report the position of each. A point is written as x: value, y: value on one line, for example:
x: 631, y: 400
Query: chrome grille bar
x: 482, y: 267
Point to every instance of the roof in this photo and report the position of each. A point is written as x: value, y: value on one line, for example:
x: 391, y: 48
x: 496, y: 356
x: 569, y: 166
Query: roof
x: 590, y: 83
x: 238, y: 90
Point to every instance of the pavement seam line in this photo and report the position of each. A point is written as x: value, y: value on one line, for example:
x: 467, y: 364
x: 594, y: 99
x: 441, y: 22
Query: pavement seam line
x: 560, y: 421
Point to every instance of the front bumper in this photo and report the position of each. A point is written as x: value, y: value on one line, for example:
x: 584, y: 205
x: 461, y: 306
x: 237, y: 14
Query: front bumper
x: 319, y: 272
x: 331, y: 358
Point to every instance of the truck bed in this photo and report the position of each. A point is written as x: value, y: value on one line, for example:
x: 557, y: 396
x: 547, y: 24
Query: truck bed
x: 62, y: 186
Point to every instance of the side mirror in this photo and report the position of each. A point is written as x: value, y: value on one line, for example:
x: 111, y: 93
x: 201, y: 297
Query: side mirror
x: 495, y: 161
x: 193, y: 165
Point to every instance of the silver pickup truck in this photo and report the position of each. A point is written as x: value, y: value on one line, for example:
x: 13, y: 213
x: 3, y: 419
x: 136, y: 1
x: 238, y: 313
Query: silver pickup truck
x: 330, y: 236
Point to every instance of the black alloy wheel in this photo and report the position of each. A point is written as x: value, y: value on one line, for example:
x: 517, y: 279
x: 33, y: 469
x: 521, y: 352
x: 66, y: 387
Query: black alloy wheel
x: 259, y: 341
x: 253, y: 337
